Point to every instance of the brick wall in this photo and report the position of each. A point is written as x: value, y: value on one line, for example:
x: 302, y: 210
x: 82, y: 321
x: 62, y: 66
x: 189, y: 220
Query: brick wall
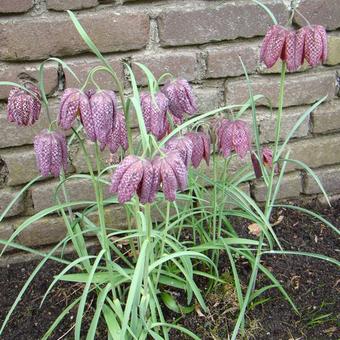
x: 196, y: 39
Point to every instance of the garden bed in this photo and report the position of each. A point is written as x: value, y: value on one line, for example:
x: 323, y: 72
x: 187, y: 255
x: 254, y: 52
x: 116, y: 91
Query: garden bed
x: 312, y: 284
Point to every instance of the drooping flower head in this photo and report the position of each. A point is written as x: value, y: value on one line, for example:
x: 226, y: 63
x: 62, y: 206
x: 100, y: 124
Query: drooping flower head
x: 23, y: 108
x: 118, y: 134
x: 154, y: 112
x: 183, y: 145
x: 99, y: 119
x: 134, y: 175
x: 181, y: 98
x: 171, y: 172
x: 233, y: 135
x: 272, y: 45
x: 51, y: 152
x: 201, y: 147
x: 73, y: 102
x: 315, y: 44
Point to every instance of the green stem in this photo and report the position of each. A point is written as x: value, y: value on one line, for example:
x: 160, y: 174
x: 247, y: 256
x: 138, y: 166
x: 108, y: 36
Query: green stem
x: 278, y: 122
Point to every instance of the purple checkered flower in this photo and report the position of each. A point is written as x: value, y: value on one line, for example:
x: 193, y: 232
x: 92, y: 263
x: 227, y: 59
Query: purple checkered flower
x: 118, y: 134
x: 154, y: 113
x: 233, y: 135
x: 134, y: 175
x: 272, y: 45
x: 171, y: 173
x: 183, y: 145
x: 99, y: 119
x: 23, y: 108
x: 181, y: 98
x: 73, y: 102
x: 315, y: 44
x: 201, y: 147
x: 51, y: 152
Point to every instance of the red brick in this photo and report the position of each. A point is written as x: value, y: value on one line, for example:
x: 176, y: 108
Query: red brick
x: 82, y: 66
x: 321, y: 12
x: 15, y: 6
x: 224, y: 61
x: 64, y: 5
x: 15, y: 72
x: 32, y: 38
x: 326, y: 118
x: 300, y: 89
x: 216, y: 21
x: 180, y: 64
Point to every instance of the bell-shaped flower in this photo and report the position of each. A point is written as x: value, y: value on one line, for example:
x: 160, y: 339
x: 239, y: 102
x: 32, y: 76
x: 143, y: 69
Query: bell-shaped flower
x: 233, y: 135
x: 154, y: 110
x: 315, y: 44
x: 201, y: 147
x: 118, y: 134
x: 23, y: 108
x: 272, y: 45
x: 183, y: 145
x: 73, y: 102
x: 181, y: 98
x: 98, y: 121
x: 171, y: 173
x: 51, y: 152
x: 134, y: 175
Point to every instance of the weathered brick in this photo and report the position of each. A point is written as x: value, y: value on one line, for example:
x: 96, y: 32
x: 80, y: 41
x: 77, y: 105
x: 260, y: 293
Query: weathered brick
x: 289, y: 118
x: 326, y: 118
x: 81, y: 66
x: 291, y: 187
x: 209, y: 22
x: 262, y: 69
x: 224, y: 61
x: 16, y: 72
x: 13, y: 135
x: 6, y: 230
x: 107, y: 28
x: 15, y: 6
x: 315, y: 152
x: 43, y: 194
x: 6, y: 197
x: 300, y: 89
x: 333, y: 50
x: 21, y: 165
x: 79, y: 161
x: 180, y: 64
x: 321, y: 12
x: 208, y: 98
x: 64, y: 5
x: 329, y: 177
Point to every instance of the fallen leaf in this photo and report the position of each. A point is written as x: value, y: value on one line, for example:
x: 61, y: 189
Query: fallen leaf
x: 254, y: 229
x: 279, y: 220
x: 198, y: 311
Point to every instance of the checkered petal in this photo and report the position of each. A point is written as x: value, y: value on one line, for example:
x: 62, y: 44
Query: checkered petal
x: 272, y: 45
x: 69, y: 107
x: 51, y: 152
x: 118, y: 134
x: 290, y: 52
x: 146, y: 185
x: 120, y: 171
x: 180, y: 170
x: 23, y: 108
x: 314, y: 45
x: 184, y: 146
x: 130, y: 181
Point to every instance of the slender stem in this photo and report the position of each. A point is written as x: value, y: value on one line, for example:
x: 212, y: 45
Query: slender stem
x: 278, y: 122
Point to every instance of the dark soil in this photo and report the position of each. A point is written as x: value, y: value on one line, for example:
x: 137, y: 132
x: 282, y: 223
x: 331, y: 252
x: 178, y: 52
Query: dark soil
x: 312, y: 284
